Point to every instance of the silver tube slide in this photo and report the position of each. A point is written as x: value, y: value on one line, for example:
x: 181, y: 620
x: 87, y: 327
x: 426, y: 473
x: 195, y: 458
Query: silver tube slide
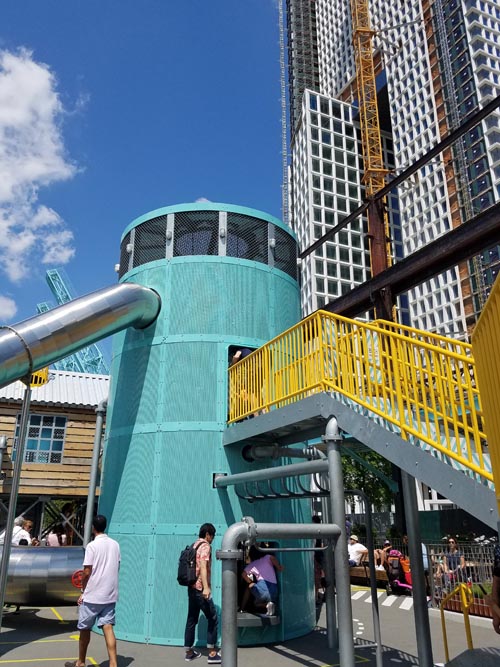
x: 42, y: 575
x: 48, y: 337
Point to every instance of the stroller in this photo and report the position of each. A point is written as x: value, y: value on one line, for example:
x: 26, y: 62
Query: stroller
x: 398, y: 573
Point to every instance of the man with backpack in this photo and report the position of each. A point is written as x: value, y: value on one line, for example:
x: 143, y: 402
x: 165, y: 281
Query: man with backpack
x: 200, y: 598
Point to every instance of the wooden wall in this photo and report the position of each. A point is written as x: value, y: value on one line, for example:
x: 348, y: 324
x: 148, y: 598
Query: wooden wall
x: 67, y: 479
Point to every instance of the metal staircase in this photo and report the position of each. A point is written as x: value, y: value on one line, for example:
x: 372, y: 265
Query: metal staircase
x: 408, y: 395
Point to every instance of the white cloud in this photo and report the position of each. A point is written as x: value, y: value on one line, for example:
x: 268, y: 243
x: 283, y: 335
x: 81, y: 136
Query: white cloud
x: 8, y: 308
x: 32, y: 155
x: 202, y: 200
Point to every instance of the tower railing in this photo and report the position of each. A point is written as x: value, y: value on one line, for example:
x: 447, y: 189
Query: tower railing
x: 419, y: 385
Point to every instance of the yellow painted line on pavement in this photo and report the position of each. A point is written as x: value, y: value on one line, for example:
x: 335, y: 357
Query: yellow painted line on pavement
x: 38, y: 641
x: 357, y: 658
x: 58, y: 616
x: 39, y: 660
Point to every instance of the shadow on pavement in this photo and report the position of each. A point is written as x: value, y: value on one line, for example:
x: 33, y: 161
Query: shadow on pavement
x: 313, y: 649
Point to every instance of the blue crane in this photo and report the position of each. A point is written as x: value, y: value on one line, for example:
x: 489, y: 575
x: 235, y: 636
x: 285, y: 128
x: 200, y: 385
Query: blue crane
x: 89, y: 359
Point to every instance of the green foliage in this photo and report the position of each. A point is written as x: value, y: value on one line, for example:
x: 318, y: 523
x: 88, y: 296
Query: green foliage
x: 357, y: 476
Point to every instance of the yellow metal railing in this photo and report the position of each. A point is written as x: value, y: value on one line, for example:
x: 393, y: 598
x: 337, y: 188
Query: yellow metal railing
x: 466, y: 599
x: 486, y: 346
x: 421, y: 385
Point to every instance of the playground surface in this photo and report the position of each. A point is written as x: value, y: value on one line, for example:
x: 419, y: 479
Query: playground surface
x: 48, y: 636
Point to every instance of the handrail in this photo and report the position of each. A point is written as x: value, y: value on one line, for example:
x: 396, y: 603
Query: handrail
x: 419, y: 385
x: 466, y: 599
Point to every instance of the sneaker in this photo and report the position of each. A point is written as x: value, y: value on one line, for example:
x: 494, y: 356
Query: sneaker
x: 214, y: 659
x: 270, y: 609
x: 192, y: 655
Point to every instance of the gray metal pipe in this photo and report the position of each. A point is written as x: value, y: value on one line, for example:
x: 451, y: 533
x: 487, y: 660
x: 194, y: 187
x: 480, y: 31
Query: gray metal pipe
x: 373, y: 577
x: 332, y: 438
x: 41, y: 576
x: 94, y: 470
x: 259, y: 452
x: 40, y: 341
x: 307, y: 468
x: 249, y: 532
x: 421, y: 613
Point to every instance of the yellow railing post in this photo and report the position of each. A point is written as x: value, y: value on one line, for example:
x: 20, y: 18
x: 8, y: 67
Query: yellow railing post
x: 466, y: 599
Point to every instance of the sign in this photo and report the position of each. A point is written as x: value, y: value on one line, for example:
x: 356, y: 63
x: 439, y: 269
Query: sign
x: 40, y: 377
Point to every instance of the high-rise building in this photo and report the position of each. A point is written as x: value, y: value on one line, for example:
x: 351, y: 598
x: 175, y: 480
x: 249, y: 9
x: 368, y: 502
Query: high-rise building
x: 436, y: 62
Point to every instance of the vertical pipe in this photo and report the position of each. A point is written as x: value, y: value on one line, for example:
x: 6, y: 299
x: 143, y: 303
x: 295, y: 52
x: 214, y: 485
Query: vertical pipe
x: 94, y: 470
x: 342, y: 580
x: 331, y: 609
x: 422, y: 628
x: 14, y: 490
x: 373, y: 578
x: 229, y: 628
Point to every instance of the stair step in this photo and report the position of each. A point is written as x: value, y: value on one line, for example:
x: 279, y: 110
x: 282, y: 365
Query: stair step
x: 247, y: 620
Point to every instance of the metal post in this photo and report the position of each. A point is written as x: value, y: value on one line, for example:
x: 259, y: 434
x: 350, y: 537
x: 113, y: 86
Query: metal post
x: 248, y: 531
x: 373, y: 576
x: 89, y: 512
x: 421, y: 614
x: 14, y: 490
x: 333, y: 438
x: 331, y: 607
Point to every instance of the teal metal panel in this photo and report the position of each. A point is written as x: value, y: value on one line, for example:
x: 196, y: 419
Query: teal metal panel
x: 132, y: 609
x: 188, y: 394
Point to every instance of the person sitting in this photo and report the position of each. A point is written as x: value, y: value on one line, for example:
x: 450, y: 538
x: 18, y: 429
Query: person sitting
x: 260, y: 575
x: 454, y: 563
x: 357, y: 551
x: 57, y: 537
x: 23, y: 533
x: 381, y: 555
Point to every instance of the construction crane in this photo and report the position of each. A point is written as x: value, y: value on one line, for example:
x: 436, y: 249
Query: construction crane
x: 371, y: 142
x: 88, y: 360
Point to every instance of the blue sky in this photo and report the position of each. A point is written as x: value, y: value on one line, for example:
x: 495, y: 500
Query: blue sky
x: 112, y: 108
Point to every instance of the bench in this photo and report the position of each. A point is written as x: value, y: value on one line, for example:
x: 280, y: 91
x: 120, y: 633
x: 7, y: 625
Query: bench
x: 362, y: 572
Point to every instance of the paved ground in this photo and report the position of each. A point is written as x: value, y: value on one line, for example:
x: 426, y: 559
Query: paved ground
x: 43, y: 637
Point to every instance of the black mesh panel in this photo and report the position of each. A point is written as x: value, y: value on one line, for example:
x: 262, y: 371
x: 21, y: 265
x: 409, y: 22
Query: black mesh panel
x: 246, y: 237
x: 285, y: 253
x: 124, y: 256
x: 150, y: 241
x: 196, y: 233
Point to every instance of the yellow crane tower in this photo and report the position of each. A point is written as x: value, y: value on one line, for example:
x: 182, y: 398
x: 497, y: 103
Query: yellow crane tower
x: 374, y: 171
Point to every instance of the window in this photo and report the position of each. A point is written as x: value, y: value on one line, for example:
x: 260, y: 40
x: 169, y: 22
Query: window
x: 44, y: 440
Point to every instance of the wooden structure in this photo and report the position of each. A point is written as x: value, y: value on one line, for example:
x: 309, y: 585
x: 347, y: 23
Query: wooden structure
x: 59, y: 448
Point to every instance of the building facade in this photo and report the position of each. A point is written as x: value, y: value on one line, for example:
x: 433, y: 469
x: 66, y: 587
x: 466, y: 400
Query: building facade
x: 436, y: 62
x: 59, y: 446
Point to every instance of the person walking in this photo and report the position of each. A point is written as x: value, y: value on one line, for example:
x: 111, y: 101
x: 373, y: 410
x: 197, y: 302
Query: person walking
x: 200, y: 599
x: 101, y: 564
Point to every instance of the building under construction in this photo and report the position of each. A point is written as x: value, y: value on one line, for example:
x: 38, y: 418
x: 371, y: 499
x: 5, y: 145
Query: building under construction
x: 433, y: 64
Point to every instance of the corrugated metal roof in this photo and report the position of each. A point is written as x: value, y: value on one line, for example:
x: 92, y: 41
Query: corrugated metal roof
x: 65, y: 388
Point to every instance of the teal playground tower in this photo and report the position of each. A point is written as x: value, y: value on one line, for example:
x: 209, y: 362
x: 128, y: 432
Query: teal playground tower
x: 227, y: 278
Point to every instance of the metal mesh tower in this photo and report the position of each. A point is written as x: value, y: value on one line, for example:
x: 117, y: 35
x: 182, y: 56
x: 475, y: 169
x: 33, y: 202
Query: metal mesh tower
x: 227, y: 277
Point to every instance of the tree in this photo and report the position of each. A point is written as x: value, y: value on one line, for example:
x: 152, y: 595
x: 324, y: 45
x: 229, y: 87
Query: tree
x: 364, y: 476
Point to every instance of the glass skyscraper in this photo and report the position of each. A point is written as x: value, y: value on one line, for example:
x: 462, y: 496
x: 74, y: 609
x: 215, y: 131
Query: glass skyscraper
x: 435, y: 61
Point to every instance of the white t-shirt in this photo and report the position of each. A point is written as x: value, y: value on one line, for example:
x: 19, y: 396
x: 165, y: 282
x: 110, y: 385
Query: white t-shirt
x: 20, y: 534
x: 356, y: 550
x: 103, y: 554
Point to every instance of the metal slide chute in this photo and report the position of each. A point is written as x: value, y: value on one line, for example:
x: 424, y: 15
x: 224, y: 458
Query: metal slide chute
x: 48, y: 337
